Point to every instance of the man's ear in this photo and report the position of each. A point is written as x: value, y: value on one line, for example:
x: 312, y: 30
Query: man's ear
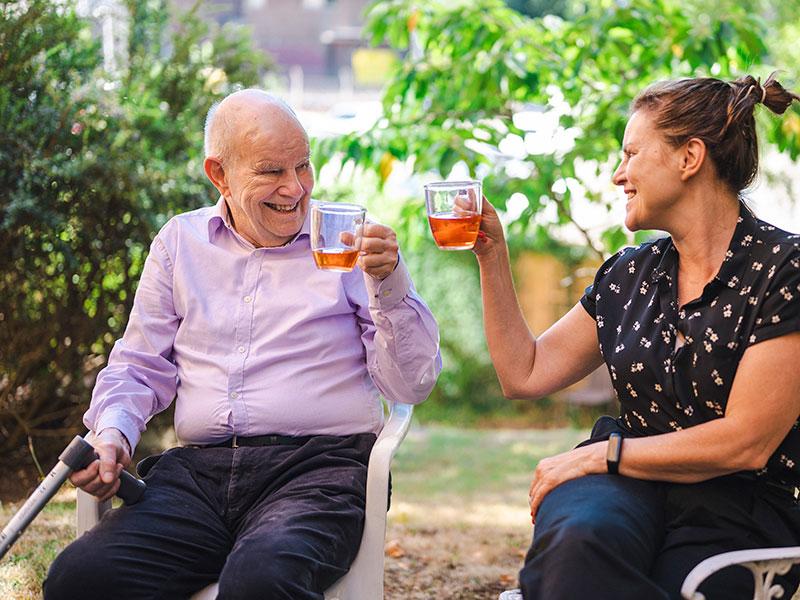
x: 692, y: 158
x: 216, y: 174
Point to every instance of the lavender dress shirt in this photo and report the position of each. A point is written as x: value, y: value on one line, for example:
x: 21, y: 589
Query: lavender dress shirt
x: 252, y: 341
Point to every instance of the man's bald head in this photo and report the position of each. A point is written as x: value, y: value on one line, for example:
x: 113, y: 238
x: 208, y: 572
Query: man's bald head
x: 238, y: 115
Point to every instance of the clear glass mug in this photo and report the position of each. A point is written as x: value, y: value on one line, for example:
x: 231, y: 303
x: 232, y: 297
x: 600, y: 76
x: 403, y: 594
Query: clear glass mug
x: 454, y: 213
x: 336, y: 234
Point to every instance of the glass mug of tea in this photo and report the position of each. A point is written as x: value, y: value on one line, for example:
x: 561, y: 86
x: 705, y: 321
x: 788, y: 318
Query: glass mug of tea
x: 454, y: 213
x: 336, y: 234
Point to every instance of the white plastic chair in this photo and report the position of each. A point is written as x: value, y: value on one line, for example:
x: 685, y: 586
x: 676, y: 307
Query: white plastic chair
x: 364, y: 580
x: 764, y: 563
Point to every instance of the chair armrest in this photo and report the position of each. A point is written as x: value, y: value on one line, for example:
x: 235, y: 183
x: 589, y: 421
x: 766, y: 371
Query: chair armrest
x: 764, y: 564
x: 365, y: 578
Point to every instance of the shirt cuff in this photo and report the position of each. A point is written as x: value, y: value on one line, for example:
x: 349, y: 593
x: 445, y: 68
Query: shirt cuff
x: 121, y: 421
x: 388, y: 292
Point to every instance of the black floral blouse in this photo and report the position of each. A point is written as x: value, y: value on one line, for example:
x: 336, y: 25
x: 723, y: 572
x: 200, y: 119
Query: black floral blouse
x: 665, y: 387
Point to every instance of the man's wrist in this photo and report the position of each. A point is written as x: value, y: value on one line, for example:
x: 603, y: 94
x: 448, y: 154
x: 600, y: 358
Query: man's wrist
x: 125, y: 442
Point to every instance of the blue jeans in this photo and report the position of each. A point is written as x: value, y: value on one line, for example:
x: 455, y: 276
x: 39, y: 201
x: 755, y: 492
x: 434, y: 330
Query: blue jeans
x: 612, y: 537
x: 269, y: 522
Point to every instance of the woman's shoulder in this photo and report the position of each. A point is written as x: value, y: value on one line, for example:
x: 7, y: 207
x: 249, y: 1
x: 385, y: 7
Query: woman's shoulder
x: 633, y: 259
x: 769, y: 240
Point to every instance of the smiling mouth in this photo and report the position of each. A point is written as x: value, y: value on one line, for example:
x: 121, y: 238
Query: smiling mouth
x: 282, y: 208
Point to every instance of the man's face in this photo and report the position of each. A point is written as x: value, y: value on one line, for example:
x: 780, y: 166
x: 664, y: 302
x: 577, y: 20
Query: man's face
x: 270, y: 178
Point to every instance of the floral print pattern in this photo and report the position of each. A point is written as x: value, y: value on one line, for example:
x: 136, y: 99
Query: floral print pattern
x: 672, y: 366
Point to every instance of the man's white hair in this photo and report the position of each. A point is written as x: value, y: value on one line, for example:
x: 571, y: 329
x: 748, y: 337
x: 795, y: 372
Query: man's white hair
x: 216, y: 132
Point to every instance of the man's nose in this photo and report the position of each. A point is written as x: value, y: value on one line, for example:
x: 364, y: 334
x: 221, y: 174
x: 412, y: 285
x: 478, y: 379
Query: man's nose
x: 291, y: 186
x: 618, y: 178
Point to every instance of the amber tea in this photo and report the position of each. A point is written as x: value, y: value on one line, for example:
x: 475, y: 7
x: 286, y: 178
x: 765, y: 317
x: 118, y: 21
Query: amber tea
x: 452, y: 231
x: 454, y: 213
x: 336, y: 232
x: 335, y: 259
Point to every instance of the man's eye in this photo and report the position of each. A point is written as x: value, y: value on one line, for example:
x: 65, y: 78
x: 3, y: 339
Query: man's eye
x: 304, y: 166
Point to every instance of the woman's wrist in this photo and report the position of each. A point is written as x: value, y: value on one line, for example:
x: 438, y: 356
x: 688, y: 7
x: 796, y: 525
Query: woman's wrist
x: 492, y: 257
x: 597, y: 458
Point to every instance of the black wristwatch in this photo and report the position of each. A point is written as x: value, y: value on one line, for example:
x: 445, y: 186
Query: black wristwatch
x: 614, y: 452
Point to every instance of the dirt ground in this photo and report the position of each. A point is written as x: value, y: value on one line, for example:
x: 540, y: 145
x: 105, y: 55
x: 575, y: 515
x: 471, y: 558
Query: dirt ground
x: 452, y: 561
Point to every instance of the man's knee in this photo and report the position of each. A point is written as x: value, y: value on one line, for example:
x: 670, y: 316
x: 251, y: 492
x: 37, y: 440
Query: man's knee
x: 274, y: 573
x: 74, y: 573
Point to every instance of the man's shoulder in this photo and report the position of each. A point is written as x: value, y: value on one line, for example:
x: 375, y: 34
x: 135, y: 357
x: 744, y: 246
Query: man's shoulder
x: 193, y: 223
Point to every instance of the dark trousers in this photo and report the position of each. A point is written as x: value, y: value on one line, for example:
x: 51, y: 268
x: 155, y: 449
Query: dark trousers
x: 270, y: 522
x: 612, y: 537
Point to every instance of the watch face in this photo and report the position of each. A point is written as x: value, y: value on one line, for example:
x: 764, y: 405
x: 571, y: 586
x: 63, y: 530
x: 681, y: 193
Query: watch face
x: 613, y: 453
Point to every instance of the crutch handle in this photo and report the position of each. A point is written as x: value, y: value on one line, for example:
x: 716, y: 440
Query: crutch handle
x: 79, y: 455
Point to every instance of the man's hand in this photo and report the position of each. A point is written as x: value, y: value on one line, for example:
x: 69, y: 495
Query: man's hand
x: 555, y: 470
x: 101, y: 477
x: 379, y: 250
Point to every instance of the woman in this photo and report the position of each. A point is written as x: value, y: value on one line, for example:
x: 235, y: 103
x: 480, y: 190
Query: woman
x: 700, y: 332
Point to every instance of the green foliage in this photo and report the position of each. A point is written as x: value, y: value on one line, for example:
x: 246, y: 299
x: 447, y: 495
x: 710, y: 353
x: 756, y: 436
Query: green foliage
x: 90, y: 166
x: 469, y: 66
x: 540, y: 8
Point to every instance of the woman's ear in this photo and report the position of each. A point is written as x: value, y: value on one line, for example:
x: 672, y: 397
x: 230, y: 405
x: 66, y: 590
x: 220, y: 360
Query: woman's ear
x: 216, y: 174
x: 693, y: 155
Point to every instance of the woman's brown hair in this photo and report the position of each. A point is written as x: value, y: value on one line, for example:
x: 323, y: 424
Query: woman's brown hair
x: 720, y: 113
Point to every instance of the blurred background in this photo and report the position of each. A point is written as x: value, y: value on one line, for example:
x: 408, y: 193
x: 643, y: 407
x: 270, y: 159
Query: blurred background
x: 102, y: 105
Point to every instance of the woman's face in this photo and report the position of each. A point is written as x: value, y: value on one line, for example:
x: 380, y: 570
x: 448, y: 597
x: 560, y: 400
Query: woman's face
x: 649, y: 174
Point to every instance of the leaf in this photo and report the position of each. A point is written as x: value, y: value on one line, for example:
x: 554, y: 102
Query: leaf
x: 393, y: 549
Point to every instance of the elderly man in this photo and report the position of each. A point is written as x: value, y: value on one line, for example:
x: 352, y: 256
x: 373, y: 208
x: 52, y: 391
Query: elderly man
x: 277, y: 368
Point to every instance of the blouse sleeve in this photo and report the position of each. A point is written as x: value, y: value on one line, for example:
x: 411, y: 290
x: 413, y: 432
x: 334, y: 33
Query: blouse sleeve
x: 589, y: 298
x: 780, y: 308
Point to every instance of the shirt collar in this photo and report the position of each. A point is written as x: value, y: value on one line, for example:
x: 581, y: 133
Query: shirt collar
x: 220, y: 217
x: 739, y: 250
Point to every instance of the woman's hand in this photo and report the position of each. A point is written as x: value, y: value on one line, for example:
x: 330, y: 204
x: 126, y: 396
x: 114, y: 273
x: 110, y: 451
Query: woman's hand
x: 555, y: 470
x: 490, y: 236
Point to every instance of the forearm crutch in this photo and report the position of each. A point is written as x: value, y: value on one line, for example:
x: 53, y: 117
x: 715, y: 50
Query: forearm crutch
x: 78, y: 455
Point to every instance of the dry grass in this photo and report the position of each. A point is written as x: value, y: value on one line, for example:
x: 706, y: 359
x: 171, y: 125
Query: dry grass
x: 25, y: 566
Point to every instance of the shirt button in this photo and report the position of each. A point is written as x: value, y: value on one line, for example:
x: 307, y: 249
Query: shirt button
x: 248, y: 299
x: 234, y: 395
x: 241, y: 349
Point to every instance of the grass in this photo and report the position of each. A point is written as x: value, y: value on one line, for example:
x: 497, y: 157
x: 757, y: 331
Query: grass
x: 23, y: 569
x: 458, y: 525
